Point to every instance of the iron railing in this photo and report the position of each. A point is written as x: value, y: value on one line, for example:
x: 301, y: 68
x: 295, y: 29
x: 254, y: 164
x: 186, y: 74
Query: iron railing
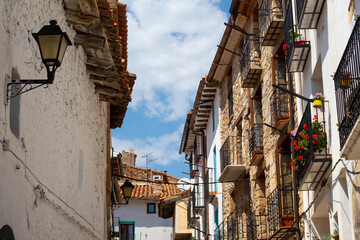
x: 279, y: 106
x: 198, y: 147
x: 219, y: 233
x: 296, y: 50
x: 308, y: 154
x: 210, y: 181
x: 198, y: 196
x: 194, y: 167
x: 256, y: 226
x: 280, y: 209
x: 308, y: 13
x: 269, y: 9
x: 250, y: 54
x: 256, y: 139
x: 230, y: 152
x: 347, y: 86
x: 231, y: 103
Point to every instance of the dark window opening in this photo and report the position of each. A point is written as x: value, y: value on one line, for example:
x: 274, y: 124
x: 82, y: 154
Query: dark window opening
x: 151, y: 208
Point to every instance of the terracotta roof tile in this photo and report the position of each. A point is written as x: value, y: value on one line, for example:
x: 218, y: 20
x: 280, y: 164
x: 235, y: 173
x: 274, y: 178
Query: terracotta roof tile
x: 148, y: 191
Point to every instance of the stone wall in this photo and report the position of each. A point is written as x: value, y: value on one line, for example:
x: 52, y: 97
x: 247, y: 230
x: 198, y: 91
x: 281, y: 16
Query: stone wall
x: 53, y: 176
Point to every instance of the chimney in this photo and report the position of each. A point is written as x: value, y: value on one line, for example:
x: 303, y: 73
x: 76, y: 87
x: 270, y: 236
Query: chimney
x: 165, y: 178
x: 129, y: 158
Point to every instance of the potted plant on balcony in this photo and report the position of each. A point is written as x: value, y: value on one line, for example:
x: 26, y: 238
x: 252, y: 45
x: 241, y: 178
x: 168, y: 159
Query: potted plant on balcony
x: 302, y: 146
x: 318, y: 100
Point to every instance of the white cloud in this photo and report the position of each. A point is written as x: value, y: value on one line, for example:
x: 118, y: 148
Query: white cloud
x: 171, y: 46
x: 165, y: 147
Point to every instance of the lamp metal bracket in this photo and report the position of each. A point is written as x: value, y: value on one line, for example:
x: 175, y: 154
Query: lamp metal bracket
x: 22, y: 86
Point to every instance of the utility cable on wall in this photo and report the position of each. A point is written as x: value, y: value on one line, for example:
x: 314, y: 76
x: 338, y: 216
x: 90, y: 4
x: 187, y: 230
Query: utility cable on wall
x: 39, y: 188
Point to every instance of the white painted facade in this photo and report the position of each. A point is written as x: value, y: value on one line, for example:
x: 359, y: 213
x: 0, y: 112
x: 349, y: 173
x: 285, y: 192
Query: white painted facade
x: 52, y: 180
x: 333, y: 205
x: 147, y: 226
x: 214, y: 143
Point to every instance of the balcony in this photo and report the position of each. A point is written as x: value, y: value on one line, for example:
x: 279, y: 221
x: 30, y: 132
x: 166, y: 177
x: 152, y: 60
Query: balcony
x: 192, y: 219
x: 250, y: 63
x: 198, y: 198
x: 219, y: 232
x: 198, y: 148
x: 313, y: 160
x: 194, y: 168
x: 256, y: 150
x: 347, y: 85
x: 271, y: 22
x: 280, y: 216
x: 230, y: 156
x: 309, y: 12
x: 210, y: 186
x: 296, y: 50
x: 256, y: 226
x: 279, y: 110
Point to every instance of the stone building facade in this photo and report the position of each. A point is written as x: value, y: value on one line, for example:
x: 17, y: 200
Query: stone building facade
x: 55, y: 156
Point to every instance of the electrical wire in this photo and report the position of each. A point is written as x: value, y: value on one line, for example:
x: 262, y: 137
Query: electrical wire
x: 56, y: 206
x: 185, y: 183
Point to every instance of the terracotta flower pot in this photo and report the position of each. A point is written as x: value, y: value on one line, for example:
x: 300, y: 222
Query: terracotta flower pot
x: 336, y: 237
x: 317, y: 103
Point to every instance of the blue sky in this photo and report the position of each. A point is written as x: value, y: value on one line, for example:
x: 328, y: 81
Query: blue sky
x: 171, y: 46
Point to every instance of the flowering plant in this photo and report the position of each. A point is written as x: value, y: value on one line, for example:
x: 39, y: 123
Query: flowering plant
x: 319, y: 96
x: 302, y: 146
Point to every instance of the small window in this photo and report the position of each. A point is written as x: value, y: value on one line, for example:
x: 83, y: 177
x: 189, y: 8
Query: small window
x: 127, y: 230
x: 151, y: 208
x: 157, y: 177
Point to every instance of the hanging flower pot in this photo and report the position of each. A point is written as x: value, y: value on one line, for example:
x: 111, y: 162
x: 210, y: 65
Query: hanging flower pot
x: 317, y: 103
x: 318, y: 100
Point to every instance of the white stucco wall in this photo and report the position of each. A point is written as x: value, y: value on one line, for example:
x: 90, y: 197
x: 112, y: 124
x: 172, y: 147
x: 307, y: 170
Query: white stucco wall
x: 328, y: 42
x: 62, y: 144
x: 147, y: 226
x: 213, y: 140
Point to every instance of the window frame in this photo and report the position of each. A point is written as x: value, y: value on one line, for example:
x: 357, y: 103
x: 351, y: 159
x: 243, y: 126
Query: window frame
x: 128, y: 224
x: 147, y: 208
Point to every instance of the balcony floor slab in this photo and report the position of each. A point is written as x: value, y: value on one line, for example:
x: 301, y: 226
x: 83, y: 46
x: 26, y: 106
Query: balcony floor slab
x: 232, y: 173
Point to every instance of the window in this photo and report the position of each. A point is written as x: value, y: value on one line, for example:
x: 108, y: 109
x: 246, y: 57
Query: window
x: 127, y: 230
x: 215, y: 178
x: 157, y: 177
x: 151, y: 208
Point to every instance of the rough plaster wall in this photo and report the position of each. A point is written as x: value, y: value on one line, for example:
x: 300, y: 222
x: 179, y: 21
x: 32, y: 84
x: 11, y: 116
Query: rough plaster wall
x: 62, y: 135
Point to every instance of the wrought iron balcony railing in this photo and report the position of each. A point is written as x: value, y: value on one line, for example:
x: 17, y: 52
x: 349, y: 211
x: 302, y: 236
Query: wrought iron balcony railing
x: 279, y: 109
x: 280, y: 206
x: 198, y: 197
x: 256, y: 150
x: 210, y: 188
x: 271, y: 22
x: 231, y: 103
x: 250, y: 63
x: 256, y: 226
x: 296, y: 50
x: 312, y: 157
x: 309, y: 12
x: 191, y: 218
x: 194, y: 167
x: 347, y: 86
x: 219, y: 233
x: 230, y: 152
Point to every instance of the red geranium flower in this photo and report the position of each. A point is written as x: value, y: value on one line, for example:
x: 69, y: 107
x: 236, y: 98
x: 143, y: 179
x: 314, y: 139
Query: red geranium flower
x: 300, y: 158
x: 314, y: 142
x: 305, y: 125
x: 297, y: 148
x: 291, y: 163
x: 302, y: 147
x: 294, y: 168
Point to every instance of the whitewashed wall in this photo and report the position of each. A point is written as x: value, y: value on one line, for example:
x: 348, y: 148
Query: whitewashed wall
x: 147, y: 226
x: 328, y: 42
x: 213, y: 140
x: 62, y: 135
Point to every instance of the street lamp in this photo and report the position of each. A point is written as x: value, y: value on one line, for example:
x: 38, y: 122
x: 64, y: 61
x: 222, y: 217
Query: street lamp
x: 127, y: 189
x: 52, y: 42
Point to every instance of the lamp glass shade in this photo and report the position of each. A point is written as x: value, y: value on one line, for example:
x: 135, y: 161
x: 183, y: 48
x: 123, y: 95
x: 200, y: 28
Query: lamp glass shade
x: 127, y: 189
x: 52, y: 43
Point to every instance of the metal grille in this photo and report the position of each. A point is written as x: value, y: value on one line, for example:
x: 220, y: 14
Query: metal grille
x: 347, y: 79
x: 256, y: 139
x: 289, y: 26
x: 266, y: 13
x: 279, y: 105
x: 230, y: 152
x: 198, y: 196
x: 256, y: 226
x: 299, y: 8
x: 219, y: 232
x: 247, y: 57
x: 280, y: 209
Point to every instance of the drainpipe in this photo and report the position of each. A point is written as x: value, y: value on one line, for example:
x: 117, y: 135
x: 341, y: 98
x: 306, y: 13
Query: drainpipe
x: 292, y: 126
